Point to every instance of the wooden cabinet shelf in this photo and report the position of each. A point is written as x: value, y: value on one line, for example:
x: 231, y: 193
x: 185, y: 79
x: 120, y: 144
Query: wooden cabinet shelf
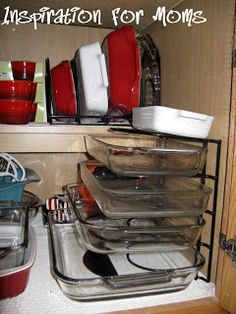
x: 43, y: 138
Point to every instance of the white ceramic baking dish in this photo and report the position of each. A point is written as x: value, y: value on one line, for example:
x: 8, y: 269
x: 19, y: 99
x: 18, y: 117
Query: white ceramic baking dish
x: 92, y: 80
x: 172, y: 121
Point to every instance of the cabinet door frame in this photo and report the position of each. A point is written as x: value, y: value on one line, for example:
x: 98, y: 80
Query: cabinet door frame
x: 226, y: 271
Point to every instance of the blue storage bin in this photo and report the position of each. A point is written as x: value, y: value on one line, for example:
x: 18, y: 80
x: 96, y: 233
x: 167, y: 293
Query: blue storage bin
x: 11, y: 193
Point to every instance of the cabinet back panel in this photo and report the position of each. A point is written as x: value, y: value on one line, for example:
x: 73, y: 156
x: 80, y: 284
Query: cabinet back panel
x: 57, y: 42
x: 55, y: 170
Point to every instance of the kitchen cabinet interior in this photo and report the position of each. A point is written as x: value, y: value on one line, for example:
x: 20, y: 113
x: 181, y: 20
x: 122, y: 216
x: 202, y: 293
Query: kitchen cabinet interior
x: 196, y: 64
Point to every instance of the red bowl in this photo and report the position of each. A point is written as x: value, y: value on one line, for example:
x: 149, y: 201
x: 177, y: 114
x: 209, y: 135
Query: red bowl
x: 33, y: 112
x: 18, y: 90
x: 15, y: 111
x: 23, y: 70
x: 34, y: 90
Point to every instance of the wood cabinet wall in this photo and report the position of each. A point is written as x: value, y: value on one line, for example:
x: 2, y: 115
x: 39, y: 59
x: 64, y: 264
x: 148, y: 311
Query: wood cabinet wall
x: 57, y: 42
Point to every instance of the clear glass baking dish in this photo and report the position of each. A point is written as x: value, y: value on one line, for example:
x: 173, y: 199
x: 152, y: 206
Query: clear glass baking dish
x: 104, y: 235
x: 87, y: 276
x: 13, y: 227
x: 137, y: 154
x: 120, y: 197
x: 33, y: 203
x: 14, y: 221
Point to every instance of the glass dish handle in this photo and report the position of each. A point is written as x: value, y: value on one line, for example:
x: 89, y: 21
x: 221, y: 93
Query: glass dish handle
x: 150, y: 278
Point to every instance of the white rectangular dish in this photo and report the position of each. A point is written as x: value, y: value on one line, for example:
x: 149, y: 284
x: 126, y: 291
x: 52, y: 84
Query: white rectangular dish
x: 92, y: 80
x: 172, y: 121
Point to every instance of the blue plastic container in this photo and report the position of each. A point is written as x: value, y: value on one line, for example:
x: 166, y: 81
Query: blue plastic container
x: 11, y: 193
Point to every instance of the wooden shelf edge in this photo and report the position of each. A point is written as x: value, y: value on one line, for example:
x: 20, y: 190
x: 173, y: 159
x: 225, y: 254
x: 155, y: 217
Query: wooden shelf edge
x: 47, y: 128
x: 45, y: 138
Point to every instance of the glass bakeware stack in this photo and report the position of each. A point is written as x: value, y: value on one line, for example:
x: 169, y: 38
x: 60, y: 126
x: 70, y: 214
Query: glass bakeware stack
x: 137, y: 219
x: 141, y: 199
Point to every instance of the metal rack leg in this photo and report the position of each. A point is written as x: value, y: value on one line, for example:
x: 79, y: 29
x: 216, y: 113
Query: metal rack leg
x: 213, y: 212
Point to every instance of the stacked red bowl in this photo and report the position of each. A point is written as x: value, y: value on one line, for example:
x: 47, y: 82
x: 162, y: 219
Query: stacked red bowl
x: 17, y: 97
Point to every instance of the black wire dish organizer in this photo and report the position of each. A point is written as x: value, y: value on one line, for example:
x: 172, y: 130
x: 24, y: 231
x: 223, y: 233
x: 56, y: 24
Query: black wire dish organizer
x: 204, y: 176
x: 54, y: 119
x: 150, y: 89
x: 115, y: 122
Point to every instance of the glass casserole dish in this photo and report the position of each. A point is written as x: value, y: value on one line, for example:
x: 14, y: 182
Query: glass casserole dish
x: 120, y: 197
x: 13, y: 227
x: 14, y: 221
x: 87, y: 276
x: 103, y: 235
x: 33, y: 203
x: 146, y: 155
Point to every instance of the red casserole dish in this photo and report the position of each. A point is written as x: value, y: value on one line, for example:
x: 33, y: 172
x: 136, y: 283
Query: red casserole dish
x: 15, y: 111
x: 63, y: 89
x: 18, y: 90
x: 15, y: 265
x: 124, y: 69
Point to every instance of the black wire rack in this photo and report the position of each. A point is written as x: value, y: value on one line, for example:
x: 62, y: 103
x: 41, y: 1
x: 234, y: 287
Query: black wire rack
x: 114, y: 122
x: 54, y: 118
x: 212, y: 212
x: 203, y: 176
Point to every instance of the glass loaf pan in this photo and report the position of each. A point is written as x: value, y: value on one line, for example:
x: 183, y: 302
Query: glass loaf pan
x: 87, y: 276
x: 14, y: 221
x: 134, y: 155
x: 145, y: 197
x: 13, y: 227
x: 103, y: 235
